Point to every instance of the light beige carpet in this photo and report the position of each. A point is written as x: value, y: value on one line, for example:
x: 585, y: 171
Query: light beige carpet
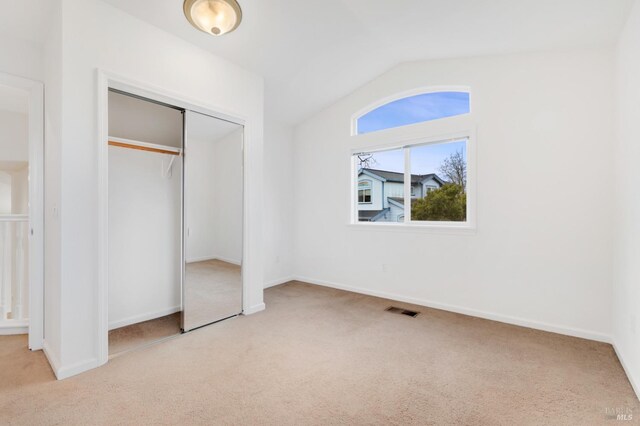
x: 213, y: 291
x: 143, y: 333
x: 321, y: 356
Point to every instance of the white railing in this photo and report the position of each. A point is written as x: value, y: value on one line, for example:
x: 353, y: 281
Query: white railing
x: 13, y: 268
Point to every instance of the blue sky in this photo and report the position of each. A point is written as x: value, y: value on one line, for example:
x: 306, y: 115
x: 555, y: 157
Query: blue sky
x: 424, y: 159
x: 414, y: 109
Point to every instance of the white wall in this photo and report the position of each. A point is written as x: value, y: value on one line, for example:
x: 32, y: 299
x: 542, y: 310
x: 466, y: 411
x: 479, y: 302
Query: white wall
x: 144, y: 236
x: 140, y: 52
x: 14, y: 142
x: 21, y: 57
x: 541, y: 252
x: 52, y: 344
x: 626, y: 280
x: 132, y: 118
x: 278, y: 211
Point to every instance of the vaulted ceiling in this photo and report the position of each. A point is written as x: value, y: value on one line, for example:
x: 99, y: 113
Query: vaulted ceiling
x: 313, y: 52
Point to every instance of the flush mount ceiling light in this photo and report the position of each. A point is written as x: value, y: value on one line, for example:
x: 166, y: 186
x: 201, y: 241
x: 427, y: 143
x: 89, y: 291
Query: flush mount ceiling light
x: 215, y: 17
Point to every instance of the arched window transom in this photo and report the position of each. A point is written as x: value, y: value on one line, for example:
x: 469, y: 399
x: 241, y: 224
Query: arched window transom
x: 414, y: 109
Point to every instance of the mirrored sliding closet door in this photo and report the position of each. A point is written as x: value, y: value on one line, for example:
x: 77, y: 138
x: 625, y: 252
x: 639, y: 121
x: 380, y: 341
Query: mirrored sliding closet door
x: 213, y: 220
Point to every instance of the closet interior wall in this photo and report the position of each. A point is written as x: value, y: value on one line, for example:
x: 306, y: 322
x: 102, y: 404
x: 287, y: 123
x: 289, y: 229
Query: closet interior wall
x: 145, y: 207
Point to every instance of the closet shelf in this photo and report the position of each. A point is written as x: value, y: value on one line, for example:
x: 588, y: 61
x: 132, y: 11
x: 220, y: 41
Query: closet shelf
x: 144, y: 146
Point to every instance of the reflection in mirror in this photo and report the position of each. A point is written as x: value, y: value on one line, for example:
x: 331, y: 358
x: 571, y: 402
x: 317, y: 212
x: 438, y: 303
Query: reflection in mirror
x: 213, y: 217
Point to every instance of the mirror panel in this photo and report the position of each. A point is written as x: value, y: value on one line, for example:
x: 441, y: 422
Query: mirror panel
x: 213, y: 220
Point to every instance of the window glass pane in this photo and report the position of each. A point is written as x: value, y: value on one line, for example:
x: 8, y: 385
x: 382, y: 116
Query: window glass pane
x: 414, y: 109
x: 439, y: 180
x: 380, y: 186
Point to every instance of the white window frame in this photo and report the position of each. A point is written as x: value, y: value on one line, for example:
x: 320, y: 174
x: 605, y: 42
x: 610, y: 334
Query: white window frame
x: 438, y: 131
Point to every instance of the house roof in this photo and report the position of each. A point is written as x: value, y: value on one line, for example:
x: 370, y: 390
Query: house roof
x: 389, y: 176
x: 369, y: 215
x: 400, y: 200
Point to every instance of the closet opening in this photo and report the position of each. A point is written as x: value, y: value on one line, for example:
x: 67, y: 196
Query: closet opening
x: 145, y: 219
x: 175, y: 220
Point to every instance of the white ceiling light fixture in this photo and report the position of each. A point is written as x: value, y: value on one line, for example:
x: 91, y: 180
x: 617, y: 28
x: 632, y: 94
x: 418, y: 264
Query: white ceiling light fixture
x: 216, y: 17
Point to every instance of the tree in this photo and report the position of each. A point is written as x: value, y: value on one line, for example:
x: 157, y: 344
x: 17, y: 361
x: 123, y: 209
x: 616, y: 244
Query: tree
x: 448, y: 203
x: 365, y: 161
x: 454, y: 169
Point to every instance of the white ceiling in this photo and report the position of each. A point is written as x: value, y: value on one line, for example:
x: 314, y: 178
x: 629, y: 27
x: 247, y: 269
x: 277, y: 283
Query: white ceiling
x: 312, y: 52
x: 14, y: 100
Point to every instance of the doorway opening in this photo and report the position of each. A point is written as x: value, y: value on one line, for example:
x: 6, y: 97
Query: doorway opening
x: 21, y: 208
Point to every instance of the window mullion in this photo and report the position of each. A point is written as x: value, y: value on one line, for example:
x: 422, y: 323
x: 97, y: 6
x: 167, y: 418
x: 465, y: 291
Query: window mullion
x: 407, y: 185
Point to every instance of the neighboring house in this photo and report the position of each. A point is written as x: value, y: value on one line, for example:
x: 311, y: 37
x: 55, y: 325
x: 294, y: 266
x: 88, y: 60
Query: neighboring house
x: 381, y: 193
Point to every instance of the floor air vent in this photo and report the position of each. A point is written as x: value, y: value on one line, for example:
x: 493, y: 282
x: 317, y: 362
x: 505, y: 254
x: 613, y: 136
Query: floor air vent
x: 401, y: 311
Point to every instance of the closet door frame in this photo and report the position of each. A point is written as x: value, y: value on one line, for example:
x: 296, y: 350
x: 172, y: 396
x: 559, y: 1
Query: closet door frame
x: 105, y: 81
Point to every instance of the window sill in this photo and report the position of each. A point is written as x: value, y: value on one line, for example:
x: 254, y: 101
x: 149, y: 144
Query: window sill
x: 430, y: 228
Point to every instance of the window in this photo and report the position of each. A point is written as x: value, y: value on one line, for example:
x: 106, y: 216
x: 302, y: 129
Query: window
x: 384, y: 172
x: 441, y: 169
x: 422, y: 180
x: 364, y: 191
x: 414, y: 109
x: 437, y: 190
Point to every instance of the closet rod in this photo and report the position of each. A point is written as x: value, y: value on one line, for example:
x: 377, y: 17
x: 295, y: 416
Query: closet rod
x: 144, y: 146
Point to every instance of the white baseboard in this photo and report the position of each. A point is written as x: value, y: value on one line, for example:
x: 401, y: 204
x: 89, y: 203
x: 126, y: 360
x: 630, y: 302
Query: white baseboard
x: 569, y: 331
x: 229, y: 260
x: 279, y: 281
x: 63, y: 372
x: 77, y: 368
x: 221, y: 258
x: 51, y: 357
x: 200, y: 259
x: 143, y: 317
x: 12, y: 327
x: 254, y: 309
x: 635, y: 385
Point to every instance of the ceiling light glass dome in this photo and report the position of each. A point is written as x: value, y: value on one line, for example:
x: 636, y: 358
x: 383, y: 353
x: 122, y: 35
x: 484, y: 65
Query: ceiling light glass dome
x: 216, y: 17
